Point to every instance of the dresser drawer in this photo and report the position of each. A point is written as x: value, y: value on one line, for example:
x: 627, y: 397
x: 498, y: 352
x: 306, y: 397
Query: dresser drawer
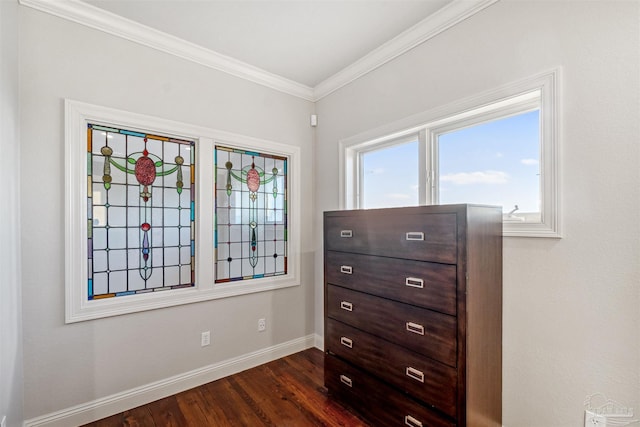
x: 379, y: 403
x: 424, y: 237
x: 432, y: 382
x: 418, y: 283
x: 424, y: 331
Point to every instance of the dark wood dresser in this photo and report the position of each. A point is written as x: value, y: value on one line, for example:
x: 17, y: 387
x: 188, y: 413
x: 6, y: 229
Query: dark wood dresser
x: 413, y: 314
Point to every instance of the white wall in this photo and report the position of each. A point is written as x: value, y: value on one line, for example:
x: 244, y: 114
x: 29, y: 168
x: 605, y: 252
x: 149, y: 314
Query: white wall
x: 11, y: 379
x: 571, y: 306
x: 67, y: 365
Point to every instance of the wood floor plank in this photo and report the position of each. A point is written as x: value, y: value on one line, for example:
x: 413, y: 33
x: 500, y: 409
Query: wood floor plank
x: 274, y: 400
x: 233, y: 410
x: 212, y: 408
x: 194, y: 408
x: 138, y: 417
x: 296, y: 397
x: 324, y: 409
x: 312, y: 369
x: 288, y: 392
x: 166, y: 412
x: 261, y: 410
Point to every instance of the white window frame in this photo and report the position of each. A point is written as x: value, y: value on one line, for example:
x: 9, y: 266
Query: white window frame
x: 540, y: 91
x: 78, y: 307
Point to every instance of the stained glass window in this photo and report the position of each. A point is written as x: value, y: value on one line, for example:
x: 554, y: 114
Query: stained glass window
x: 140, y: 225
x: 250, y: 215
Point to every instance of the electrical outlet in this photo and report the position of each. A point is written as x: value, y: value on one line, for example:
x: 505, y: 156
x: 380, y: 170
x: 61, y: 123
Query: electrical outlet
x: 262, y: 325
x: 591, y: 419
x: 205, y: 339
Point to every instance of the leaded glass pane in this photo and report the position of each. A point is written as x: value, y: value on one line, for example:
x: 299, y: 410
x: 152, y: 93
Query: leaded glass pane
x: 117, y: 194
x: 140, y: 212
x: 250, y: 214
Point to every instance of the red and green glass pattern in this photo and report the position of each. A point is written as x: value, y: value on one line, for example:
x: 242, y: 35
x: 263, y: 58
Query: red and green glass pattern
x: 141, y: 234
x: 250, y: 215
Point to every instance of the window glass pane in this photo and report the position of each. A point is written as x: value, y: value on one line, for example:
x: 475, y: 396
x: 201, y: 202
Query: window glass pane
x: 390, y: 176
x: 495, y: 163
x: 136, y: 207
x: 251, y: 215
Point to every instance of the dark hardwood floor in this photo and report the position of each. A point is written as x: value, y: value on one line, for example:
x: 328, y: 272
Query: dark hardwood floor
x: 286, y: 392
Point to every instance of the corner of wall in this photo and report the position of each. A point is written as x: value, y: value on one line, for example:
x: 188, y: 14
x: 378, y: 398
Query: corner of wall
x: 11, y: 361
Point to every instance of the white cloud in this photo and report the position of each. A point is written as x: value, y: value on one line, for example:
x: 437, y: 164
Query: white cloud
x: 480, y: 177
x: 529, y: 162
x: 499, y: 154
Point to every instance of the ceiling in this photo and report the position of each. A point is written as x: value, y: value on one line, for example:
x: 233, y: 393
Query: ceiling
x: 306, y: 41
x: 306, y: 48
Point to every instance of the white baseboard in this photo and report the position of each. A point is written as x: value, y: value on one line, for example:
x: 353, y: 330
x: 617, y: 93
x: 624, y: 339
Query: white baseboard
x: 319, y: 342
x: 120, y: 402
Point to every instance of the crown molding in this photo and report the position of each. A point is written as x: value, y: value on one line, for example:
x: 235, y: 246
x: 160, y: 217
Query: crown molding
x: 94, y: 17
x: 443, y: 19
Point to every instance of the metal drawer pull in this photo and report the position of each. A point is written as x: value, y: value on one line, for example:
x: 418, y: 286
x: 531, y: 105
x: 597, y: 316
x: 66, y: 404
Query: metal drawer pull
x: 415, y: 328
x: 346, y: 380
x: 415, y: 235
x: 346, y: 342
x: 346, y: 269
x: 346, y: 305
x: 412, y: 422
x: 414, y: 282
x: 415, y: 374
x: 346, y: 233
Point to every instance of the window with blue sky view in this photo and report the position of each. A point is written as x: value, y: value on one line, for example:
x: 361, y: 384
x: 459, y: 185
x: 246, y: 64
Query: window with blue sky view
x: 495, y: 162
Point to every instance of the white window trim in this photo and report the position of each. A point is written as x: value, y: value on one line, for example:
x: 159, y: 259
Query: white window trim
x: 78, y: 307
x: 427, y: 124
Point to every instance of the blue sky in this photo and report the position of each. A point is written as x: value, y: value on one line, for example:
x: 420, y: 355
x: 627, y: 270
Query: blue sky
x: 492, y: 163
